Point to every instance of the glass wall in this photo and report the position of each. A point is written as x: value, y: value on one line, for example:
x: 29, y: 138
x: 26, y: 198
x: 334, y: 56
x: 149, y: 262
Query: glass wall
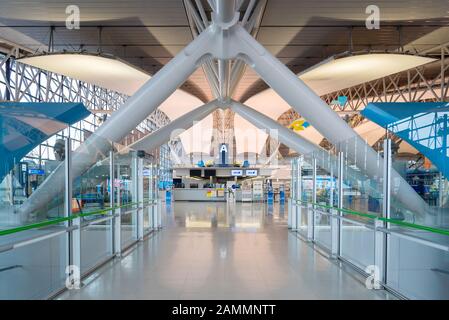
x: 36, y: 252
x: 91, y: 197
x: 126, y: 179
x: 326, y: 196
x: 415, y: 243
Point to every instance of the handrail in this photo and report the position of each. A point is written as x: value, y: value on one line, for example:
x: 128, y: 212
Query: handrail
x: 374, y: 217
x: 55, y: 221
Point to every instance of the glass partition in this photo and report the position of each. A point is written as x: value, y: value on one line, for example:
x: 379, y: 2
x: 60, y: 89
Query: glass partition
x: 33, y: 268
x: 326, y: 195
x: 363, y: 173
x: 91, y: 200
x: 126, y: 180
x: 305, y: 189
x: 34, y: 271
x: 18, y: 203
x: 418, y: 270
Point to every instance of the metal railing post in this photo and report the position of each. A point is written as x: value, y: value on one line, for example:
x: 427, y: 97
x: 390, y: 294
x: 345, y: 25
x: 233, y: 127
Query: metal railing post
x: 311, y: 210
x: 140, y: 199
x: 380, y: 244
x: 151, y: 196
x: 75, y: 234
x: 292, y: 194
x: 112, y: 198
x: 135, y: 195
x: 117, y: 213
x: 297, y: 219
x: 155, y: 214
x: 336, y: 247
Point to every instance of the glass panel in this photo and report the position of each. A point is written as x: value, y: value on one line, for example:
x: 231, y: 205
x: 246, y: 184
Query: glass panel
x: 419, y: 189
x: 326, y: 195
x: 306, y: 183
x: 34, y: 271
x: 417, y: 270
x: 362, y: 187
x: 91, y: 193
x: 357, y: 244
x: 19, y: 205
x: 148, y: 195
x: 96, y: 244
x: 126, y: 162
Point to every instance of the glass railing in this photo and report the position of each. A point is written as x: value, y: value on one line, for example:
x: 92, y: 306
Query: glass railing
x: 35, y: 251
x: 408, y: 245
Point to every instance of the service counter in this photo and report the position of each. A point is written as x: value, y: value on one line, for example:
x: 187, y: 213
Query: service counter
x: 203, y: 194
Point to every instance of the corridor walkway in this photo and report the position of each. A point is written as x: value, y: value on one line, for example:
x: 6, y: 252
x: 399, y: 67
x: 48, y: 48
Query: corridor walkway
x: 219, y: 251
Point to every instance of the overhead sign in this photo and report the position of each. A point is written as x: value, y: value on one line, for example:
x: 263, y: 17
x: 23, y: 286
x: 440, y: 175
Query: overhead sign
x: 39, y: 172
x: 251, y: 173
x: 223, y: 152
x: 236, y: 173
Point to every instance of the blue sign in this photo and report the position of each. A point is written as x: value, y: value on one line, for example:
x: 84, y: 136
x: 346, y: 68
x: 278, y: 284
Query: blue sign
x: 270, y: 197
x: 281, y: 196
x: 39, y: 172
x: 236, y: 173
x: 167, y: 196
x: 342, y: 100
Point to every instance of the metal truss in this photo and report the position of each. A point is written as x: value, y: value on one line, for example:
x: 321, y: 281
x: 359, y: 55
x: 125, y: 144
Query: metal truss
x: 23, y: 83
x: 425, y: 83
x: 223, y: 76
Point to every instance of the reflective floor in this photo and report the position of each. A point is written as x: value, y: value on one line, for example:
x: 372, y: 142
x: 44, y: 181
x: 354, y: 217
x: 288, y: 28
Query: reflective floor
x: 220, y: 251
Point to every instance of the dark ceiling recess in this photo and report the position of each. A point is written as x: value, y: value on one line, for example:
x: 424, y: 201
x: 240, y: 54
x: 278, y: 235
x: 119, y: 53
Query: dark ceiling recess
x: 148, y: 33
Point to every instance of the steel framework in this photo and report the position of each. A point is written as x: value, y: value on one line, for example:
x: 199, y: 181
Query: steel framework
x: 425, y: 83
x: 23, y: 83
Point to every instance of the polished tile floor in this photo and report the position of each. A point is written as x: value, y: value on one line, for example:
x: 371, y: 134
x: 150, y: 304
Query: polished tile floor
x: 220, y: 251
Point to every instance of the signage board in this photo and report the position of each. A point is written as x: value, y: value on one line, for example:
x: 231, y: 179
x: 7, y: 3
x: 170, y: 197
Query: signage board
x: 236, y: 173
x: 39, y: 172
x: 251, y: 173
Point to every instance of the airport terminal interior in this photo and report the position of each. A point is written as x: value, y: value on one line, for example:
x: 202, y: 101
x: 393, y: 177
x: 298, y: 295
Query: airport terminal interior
x: 224, y: 149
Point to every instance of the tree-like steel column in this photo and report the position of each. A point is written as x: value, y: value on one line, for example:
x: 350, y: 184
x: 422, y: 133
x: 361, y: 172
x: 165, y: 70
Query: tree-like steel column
x: 307, y: 103
x: 225, y: 40
x: 138, y: 107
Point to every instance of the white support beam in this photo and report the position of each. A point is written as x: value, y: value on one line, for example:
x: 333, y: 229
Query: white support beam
x: 286, y: 136
x: 138, y: 107
x: 174, y: 128
x: 307, y: 103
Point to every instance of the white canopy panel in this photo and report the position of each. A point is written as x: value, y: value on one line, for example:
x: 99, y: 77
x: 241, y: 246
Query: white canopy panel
x: 112, y: 74
x: 335, y: 74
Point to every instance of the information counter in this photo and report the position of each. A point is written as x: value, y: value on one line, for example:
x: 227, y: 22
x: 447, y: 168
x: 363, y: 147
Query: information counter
x: 203, y: 194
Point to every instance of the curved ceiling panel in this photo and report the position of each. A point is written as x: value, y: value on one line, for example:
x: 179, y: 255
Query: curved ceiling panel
x: 335, y: 74
x: 110, y: 73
